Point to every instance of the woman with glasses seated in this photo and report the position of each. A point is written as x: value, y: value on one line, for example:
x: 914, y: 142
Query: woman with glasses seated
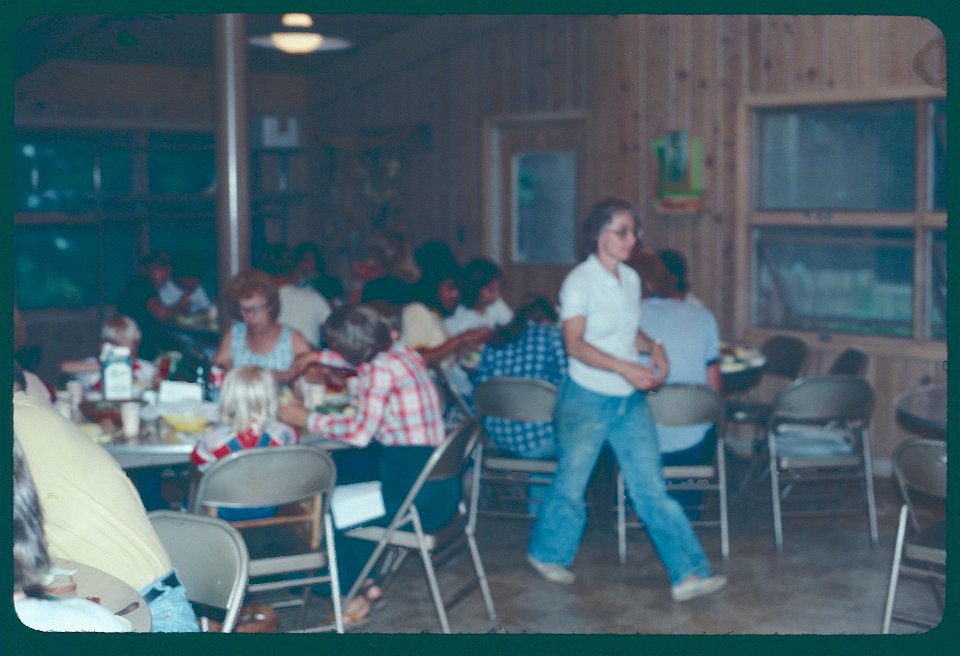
x: 256, y: 338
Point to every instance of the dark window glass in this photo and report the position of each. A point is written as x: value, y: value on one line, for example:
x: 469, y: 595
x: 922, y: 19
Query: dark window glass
x: 55, y: 266
x: 181, y: 163
x: 855, y: 280
x: 842, y: 157
x: 936, y: 292
x: 938, y: 156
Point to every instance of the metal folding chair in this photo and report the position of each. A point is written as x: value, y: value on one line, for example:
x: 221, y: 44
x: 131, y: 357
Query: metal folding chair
x: 852, y: 361
x: 920, y: 469
x: 405, y: 532
x: 818, y: 434
x: 300, y: 480
x: 680, y: 405
x: 507, y: 478
x: 210, y: 558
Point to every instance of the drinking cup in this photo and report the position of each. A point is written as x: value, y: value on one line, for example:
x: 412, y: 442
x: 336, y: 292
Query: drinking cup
x: 130, y: 418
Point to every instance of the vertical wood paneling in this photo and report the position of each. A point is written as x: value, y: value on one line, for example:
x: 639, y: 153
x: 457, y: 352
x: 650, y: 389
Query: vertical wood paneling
x: 638, y: 76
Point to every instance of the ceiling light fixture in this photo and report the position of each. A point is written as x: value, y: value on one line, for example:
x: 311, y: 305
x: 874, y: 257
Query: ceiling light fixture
x: 298, y: 37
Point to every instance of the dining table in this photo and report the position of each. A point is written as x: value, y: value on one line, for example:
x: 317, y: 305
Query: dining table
x: 924, y: 410
x: 741, y: 368
x: 107, y: 590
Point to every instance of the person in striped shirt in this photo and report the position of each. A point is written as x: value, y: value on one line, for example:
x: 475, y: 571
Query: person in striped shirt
x: 248, y: 420
x: 397, y: 405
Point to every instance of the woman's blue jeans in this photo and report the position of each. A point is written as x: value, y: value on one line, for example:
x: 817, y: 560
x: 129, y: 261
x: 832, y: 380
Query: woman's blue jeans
x: 584, y: 421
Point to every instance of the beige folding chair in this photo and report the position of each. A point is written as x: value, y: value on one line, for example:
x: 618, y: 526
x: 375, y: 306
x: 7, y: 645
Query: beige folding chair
x: 679, y: 404
x: 210, y: 558
x: 299, y: 539
x: 920, y: 469
x: 507, y: 478
x: 786, y: 359
x: 405, y: 532
x: 818, y: 434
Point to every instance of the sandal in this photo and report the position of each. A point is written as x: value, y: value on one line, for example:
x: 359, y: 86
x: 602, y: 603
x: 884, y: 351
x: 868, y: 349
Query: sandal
x: 356, y: 615
x: 372, y: 593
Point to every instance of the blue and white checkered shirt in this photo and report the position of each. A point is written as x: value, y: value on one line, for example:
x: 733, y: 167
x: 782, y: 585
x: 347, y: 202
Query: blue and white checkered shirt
x: 537, y: 352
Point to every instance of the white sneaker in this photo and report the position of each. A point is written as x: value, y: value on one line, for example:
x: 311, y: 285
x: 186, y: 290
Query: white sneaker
x: 551, y: 571
x: 694, y: 586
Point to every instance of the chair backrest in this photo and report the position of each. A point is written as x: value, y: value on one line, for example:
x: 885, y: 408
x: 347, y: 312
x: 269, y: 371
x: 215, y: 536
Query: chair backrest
x: 680, y: 404
x: 921, y: 464
x: 268, y: 476
x: 210, y: 557
x: 449, y: 393
x: 852, y: 361
x: 786, y: 356
x: 821, y: 399
x: 521, y: 399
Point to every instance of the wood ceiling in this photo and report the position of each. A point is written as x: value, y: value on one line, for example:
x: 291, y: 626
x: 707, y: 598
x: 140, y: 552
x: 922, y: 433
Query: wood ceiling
x: 185, y: 39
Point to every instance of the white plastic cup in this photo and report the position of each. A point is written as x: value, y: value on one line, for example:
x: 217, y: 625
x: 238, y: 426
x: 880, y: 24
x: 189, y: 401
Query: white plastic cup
x: 130, y: 419
x: 313, y: 394
x: 75, y: 387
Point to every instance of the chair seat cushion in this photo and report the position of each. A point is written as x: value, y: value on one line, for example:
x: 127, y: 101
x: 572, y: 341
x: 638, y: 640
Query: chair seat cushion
x: 812, y: 445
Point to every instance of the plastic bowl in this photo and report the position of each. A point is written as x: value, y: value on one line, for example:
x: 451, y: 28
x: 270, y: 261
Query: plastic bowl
x: 186, y: 423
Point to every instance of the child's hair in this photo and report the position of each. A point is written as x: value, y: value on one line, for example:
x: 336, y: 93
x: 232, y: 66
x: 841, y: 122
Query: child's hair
x: 358, y: 333
x: 120, y: 328
x: 248, y: 398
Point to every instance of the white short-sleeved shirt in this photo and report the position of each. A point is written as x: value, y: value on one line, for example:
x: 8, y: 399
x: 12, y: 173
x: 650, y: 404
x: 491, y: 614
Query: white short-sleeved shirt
x: 611, y: 306
x: 304, y: 309
x: 170, y: 294
x: 463, y: 319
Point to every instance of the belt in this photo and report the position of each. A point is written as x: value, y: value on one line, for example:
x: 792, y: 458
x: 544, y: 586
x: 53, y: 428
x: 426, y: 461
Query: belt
x: 169, y: 581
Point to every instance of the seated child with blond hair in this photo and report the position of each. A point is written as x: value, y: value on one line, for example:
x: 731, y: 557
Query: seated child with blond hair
x: 248, y: 420
x: 119, y: 330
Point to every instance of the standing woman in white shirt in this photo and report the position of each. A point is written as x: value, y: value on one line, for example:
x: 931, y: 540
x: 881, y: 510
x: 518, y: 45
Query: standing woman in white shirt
x: 603, y: 400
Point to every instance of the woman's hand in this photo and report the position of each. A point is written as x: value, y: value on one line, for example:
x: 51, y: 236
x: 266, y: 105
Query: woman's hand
x: 294, y: 413
x: 659, y: 362
x: 303, y: 360
x: 643, y: 378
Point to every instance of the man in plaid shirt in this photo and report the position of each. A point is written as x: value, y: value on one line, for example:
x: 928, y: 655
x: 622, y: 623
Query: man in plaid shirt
x: 531, y: 346
x: 398, y: 406
x: 396, y: 402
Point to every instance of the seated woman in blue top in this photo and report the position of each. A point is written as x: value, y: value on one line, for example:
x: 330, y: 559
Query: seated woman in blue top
x: 256, y: 339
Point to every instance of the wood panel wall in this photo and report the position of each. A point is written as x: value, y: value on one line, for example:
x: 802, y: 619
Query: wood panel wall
x: 636, y: 77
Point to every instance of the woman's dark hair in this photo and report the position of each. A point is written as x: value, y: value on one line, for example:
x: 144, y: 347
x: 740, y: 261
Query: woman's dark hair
x: 30, y: 557
x: 479, y: 273
x: 674, y: 262
x: 538, y: 309
x: 18, y: 376
x: 309, y: 247
x: 599, y: 218
x: 276, y: 260
x: 435, y: 256
x: 427, y: 289
x: 357, y: 332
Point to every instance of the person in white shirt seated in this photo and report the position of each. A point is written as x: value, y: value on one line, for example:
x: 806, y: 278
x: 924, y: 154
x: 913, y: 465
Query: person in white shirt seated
x: 301, y: 308
x: 188, y: 267
x: 480, y: 301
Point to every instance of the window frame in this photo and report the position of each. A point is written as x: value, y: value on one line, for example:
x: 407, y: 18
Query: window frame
x: 138, y: 208
x: 921, y: 221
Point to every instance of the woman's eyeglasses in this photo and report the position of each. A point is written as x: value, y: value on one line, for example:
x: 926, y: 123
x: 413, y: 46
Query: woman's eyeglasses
x: 623, y: 232
x: 253, y: 309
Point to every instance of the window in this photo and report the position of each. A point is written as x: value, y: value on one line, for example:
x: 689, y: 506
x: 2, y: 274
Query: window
x: 545, y: 207
x: 90, y: 203
x: 858, y: 157
x: 839, y: 220
x: 835, y: 280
